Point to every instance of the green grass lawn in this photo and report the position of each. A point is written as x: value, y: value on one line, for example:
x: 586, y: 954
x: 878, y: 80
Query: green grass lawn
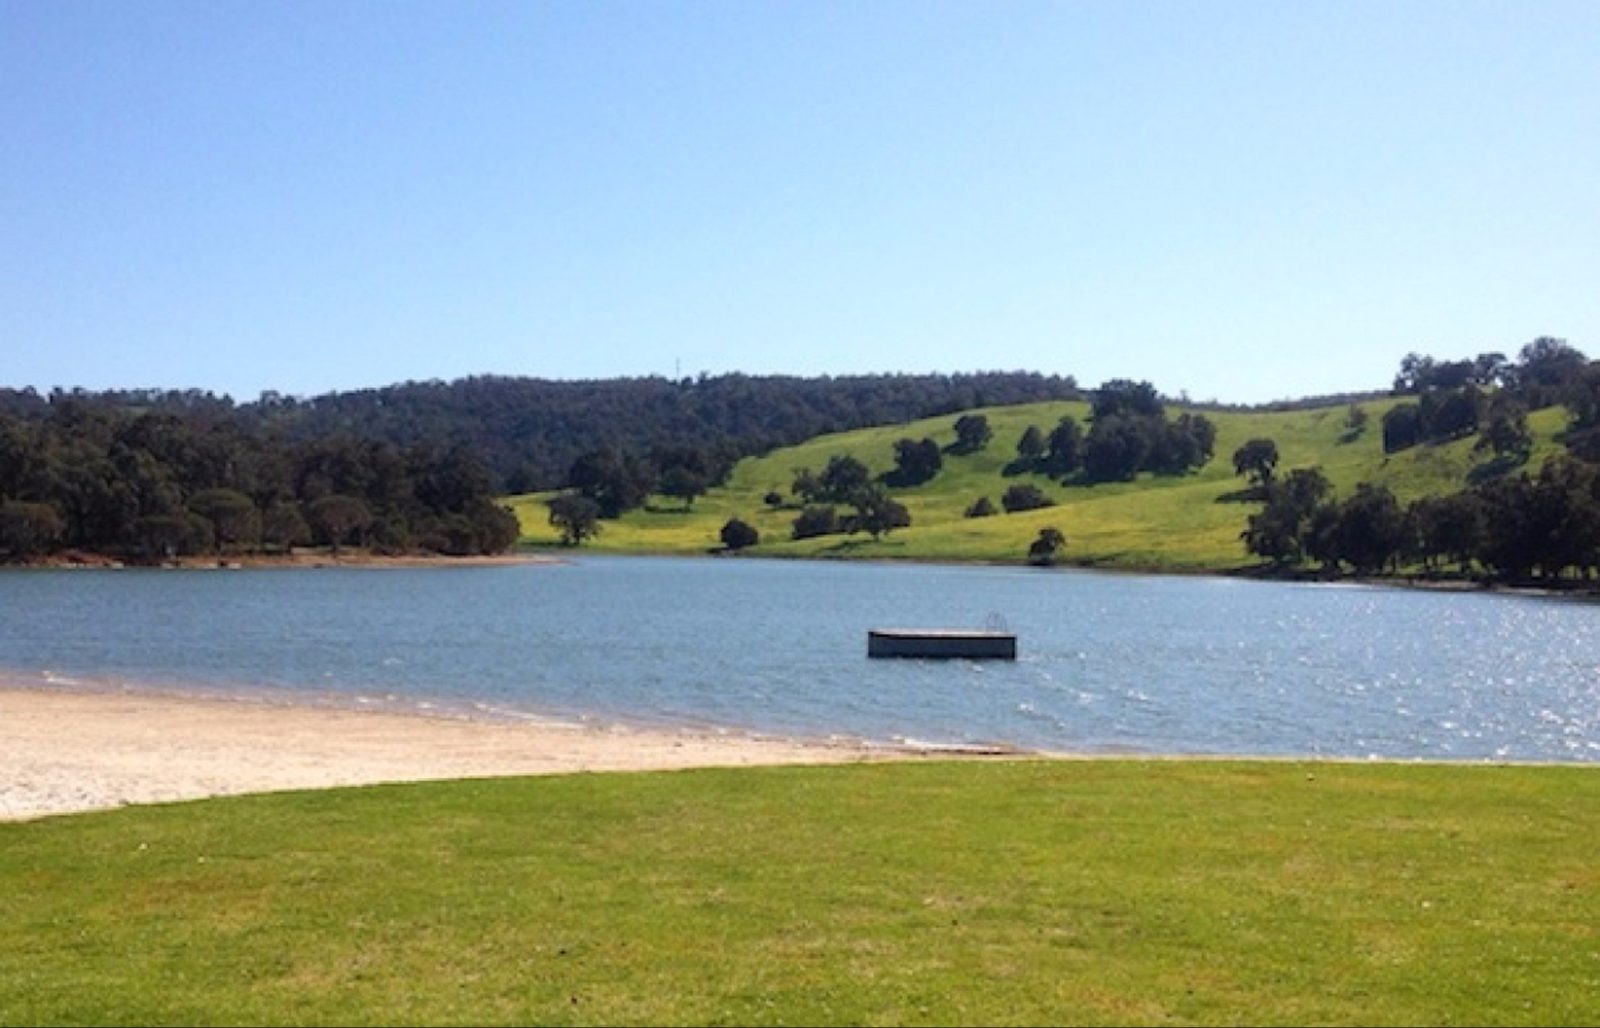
x: 1107, y: 892
x: 1164, y: 522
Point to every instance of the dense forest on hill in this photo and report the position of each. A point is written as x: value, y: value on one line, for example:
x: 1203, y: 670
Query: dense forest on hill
x: 148, y: 473
x: 156, y: 485
x: 528, y: 432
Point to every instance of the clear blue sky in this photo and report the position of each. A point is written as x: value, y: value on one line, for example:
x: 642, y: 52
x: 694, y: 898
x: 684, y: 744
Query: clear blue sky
x: 1246, y: 201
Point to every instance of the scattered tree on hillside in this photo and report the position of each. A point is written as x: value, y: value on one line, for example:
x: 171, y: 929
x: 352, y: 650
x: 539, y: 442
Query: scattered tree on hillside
x: 1402, y: 427
x: 806, y: 487
x: 1043, y: 550
x: 576, y: 516
x: 1370, y: 532
x: 1025, y: 496
x: 682, y: 483
x: 877, y: 513
x: 1117, y: 446
x: 1454, y: 396
x: 711, y: 464
x: 1440, y: 416
x: 1129, y: 434
x: 1448, y: 414
x: 1419, y: 373
x: 1064, y: 449
x: 844, y: 479
x: 840, y: 482
x: 1319, y: 535
x: 1256, y: 459
x: 1582, y: 398
x: 814, y: 521
x: 1355, y: 421
x: 1506, y: 434
x: 615, y: 481
x: 1181, y: 444
x: 982, y: 507
x: 1280, y: 532
x: 738, y: 535
x: 972, y: 434
x: 1490, y: 395
x: 1127, y: 398
x: 1544, y: 369
x: 1031, y: 446
x: 916, y: 462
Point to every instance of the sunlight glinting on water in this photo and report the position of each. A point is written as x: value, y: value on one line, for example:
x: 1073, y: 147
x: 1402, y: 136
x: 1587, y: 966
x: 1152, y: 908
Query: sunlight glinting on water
x: 1107, y: 662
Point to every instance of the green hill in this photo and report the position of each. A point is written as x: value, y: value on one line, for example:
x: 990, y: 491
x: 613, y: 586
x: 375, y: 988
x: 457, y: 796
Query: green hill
x: 1184, y: 522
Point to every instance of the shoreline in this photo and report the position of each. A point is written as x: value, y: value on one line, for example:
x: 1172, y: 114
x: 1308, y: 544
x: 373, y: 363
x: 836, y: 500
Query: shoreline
x: 298, y: 558
x: 84, y: 749
x: 1568, y: 589
x: 75, y: 750
x: 353, y: 558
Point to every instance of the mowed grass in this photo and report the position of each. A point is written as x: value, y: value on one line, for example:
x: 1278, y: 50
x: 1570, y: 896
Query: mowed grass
x: 1185, y: 522
x: 1017, y: 892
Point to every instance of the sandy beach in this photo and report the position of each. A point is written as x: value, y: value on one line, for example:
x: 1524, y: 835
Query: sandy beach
x: 70, y: 751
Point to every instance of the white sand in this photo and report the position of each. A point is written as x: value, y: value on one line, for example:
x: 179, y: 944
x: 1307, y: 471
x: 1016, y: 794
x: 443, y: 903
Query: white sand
x: 63, y: 752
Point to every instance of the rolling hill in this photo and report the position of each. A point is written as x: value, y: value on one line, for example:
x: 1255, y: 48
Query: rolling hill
x: 1179, y: 523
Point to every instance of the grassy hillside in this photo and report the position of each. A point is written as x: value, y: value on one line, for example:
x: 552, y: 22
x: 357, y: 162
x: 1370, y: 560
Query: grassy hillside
x: 1179, y: 523
x: 1104, y: 892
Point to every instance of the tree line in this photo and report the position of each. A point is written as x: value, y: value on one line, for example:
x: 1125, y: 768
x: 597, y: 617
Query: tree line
x: 1512, y: 524
x: 153, y: 485
x: 529, y: 432
x: 1492, y: 395
x: 1521, y: 527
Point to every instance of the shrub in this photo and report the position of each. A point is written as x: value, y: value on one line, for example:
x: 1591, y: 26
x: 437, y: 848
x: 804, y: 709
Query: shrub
x: 1025, y: 497
x: 814, y: 521
x: 736, y: 535
x: 1043, y: 550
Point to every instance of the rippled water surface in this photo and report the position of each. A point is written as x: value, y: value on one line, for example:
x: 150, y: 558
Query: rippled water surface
x: 1108, y: 662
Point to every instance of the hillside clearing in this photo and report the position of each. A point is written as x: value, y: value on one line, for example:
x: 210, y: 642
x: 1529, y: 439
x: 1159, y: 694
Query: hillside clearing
x: 1185, y: 522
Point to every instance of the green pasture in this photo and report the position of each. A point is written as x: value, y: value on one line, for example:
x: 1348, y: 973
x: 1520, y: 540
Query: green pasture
x: 956, y: 893
x: 1185, y: 522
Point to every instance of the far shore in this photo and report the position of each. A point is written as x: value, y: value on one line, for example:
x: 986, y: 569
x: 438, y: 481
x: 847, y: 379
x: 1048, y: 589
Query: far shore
x: 354, y: 557
x: 346, y: 557
x: 1564, y: 588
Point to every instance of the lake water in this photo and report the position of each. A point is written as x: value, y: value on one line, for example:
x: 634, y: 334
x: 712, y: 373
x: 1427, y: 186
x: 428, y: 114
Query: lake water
x: 1108, y: 662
